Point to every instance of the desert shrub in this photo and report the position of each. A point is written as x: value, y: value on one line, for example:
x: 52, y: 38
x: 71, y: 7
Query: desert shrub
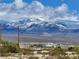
x: 27, y: 51
x: 57, y: 51
x: 8, y: 47
x: 32, y: 57
x: 71, y: 49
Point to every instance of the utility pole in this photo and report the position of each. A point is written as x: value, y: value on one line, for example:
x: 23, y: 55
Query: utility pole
x: 0, y: 32
x: 18, y: 29
x: 19, y: 42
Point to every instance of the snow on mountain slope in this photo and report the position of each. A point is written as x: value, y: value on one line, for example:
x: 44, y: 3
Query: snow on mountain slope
x: 37, y: 25
x: 38, y: 18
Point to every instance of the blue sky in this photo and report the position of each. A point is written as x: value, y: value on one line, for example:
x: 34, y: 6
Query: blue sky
x: 72, y: 4
x: 48, y: 10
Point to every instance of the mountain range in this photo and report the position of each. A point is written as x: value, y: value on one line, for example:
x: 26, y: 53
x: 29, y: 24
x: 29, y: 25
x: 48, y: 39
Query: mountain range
x: 36, y: 25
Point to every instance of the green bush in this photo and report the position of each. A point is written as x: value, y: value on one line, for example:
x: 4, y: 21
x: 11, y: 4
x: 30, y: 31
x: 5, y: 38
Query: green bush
x: 8, y: 47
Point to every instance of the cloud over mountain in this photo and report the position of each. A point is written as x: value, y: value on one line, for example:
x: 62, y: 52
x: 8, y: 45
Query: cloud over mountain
x: 19, y: 9
x: 36, y: 18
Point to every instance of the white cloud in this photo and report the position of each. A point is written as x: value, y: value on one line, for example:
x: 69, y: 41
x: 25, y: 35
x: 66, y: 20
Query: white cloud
x: 37, y: 10
x: 62, y: 9
x: 3, y: 14
x: 19, y: 3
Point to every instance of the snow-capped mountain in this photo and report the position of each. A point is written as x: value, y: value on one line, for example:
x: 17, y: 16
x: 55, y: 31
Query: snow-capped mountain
x: 37, y: 18
x: 36, y: 25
